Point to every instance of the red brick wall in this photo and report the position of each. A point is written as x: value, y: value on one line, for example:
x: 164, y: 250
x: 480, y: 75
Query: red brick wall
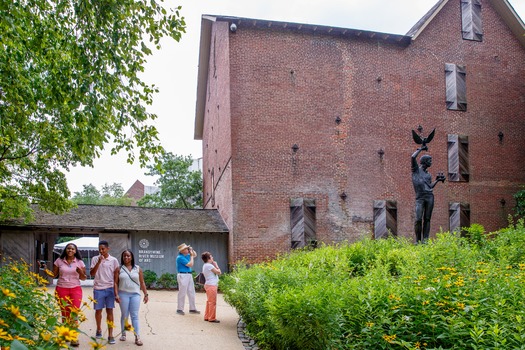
x: 217, y: 184
x: 288, y: 87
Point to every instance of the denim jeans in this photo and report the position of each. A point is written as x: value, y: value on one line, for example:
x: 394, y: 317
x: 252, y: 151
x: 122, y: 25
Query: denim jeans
x: 129, y: 306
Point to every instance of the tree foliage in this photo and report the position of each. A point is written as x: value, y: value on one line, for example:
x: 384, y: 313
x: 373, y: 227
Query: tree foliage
x: 110, y: 195
x: 69, y: 84
x: 179, y: 187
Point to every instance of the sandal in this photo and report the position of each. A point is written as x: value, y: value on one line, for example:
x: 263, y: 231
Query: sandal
x: 138, y: 341
x: 123, y: 337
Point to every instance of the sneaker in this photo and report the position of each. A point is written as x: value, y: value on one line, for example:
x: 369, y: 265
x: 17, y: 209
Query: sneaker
x: 195, y: 312
x: 111, y: 340
x: 99, y: 335
x: 180, y: 312
x: 215, y: 321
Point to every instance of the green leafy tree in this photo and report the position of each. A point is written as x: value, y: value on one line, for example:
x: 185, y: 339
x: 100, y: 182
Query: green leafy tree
x: 69, y: 84
x: 179, y: 187
x: 110, y: 195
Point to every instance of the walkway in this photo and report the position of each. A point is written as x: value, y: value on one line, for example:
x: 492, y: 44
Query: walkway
x: 163, y: 329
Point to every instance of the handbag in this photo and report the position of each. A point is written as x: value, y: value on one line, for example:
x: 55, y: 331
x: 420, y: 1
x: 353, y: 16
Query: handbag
x: 200, y: 279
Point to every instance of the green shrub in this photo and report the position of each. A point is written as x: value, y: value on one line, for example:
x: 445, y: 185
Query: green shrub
x: 452, y: 293
x: 150, y: 277
x: 29, y: 315
x: 167, y: 280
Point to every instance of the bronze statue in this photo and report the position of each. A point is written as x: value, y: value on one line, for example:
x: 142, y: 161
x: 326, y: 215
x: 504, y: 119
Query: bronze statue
x: 423, y: 186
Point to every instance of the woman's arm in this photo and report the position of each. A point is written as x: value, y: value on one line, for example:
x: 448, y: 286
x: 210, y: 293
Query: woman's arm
x: 143, y: 285
x: 216, y: 270
x: 115, y: 284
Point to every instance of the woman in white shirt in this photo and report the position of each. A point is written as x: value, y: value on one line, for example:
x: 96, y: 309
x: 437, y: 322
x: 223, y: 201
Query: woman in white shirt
x: 211, y: 272
x: 129, y: 281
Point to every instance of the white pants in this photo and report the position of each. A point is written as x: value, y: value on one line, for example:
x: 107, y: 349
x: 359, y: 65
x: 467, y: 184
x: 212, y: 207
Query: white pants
x: 186, y: 286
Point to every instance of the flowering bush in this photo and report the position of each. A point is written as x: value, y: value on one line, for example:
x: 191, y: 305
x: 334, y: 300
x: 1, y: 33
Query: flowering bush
x: 452, y: 293
x: 29, y: 315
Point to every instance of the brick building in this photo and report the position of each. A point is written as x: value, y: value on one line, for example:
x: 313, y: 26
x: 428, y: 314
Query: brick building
x: 307, y: 130
x: 139, y: 190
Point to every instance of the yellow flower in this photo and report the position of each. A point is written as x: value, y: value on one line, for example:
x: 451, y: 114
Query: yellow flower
x: 96, y: 346
x: 4, y: 335
x: 45, y: 336
x: 49, y: 273
x: 25, y: 340
x: 110, y: 324
x: 15, y: 269
x: 8, y: 293
x: 16, y: 311
x: 370, y: 324
x: 92, y: 300
x: 41, y: 280
x: 389, y: 338
x: 3, y: 323
x: 66, y: 333
x: 128, y: 326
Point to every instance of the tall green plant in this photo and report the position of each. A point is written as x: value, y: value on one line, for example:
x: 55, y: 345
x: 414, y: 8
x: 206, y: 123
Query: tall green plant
x: 389, y: 294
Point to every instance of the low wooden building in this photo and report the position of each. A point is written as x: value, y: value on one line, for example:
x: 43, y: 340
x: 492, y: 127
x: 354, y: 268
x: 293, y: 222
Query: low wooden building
x: 152, y: 234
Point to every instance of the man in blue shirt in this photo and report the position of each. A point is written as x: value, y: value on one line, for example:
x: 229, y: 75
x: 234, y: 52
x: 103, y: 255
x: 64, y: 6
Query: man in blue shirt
x: 185, y: 279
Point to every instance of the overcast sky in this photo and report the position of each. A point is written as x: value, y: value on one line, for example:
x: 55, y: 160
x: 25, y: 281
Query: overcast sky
x: 173, y: 69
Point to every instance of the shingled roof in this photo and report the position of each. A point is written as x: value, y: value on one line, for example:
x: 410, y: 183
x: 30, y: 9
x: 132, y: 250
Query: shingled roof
x: 119, y: 219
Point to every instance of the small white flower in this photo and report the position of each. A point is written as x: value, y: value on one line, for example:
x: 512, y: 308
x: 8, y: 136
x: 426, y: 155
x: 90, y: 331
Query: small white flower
x: 430, y: 289
x: 406, y: 318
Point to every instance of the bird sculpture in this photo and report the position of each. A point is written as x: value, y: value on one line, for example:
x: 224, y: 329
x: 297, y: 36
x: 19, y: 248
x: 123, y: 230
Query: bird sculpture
x: 423, y: 140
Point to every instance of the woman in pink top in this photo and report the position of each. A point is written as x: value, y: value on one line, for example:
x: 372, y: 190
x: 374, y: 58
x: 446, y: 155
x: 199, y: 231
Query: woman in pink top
x: 69, y: 269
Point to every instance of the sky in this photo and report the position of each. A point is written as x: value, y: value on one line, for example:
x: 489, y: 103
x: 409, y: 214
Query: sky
x: 173, y: 69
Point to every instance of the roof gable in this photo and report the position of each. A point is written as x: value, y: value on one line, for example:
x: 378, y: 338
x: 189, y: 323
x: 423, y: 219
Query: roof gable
x: 502, y: 7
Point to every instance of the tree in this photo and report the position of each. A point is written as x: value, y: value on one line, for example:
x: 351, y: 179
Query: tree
x: 110, y: 195
x: 179, y: 187
x: 68, y: 86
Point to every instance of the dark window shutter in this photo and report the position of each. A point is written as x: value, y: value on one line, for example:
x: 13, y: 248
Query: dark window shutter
x: 464, y: 215
x: 459, y: 216
x: 380, y: 230
x: 302, y: 222
x: 463, y: 158
x: 391, y: 217
x: 453, y: 158
x: 454, y: 217
x: 471, y: 20
x: 456, y: 87
x: 385, y: 218
x: 458, y: 163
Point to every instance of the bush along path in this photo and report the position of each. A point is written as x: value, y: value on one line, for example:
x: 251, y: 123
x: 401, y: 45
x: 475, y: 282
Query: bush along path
x: 451, y: 293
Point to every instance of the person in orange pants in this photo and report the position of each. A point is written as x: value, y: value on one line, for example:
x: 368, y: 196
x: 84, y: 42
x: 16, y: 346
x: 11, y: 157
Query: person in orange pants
x: 211, y: 272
